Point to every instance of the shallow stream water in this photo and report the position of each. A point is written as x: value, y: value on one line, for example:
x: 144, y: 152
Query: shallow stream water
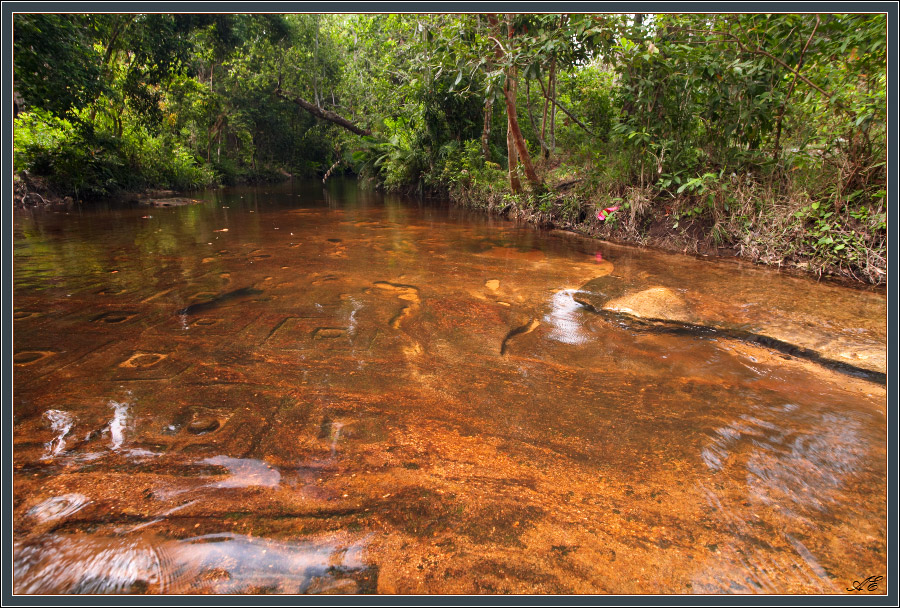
x: 308, y: 389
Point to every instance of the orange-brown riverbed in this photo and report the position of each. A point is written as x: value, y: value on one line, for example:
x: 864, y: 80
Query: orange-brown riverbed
x: 295, y: 389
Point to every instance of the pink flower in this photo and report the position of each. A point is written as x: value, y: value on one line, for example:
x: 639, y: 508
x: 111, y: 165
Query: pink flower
x: 602, y: 215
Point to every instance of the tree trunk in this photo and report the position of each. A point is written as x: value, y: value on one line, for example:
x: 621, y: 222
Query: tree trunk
x: 511, y: 153
x: 486, y: 131
x: 509, y: 92
x: 489, y: 104
x: 513, y: 132
x: 514, y: 184
x: 544, y: 118
x: 567, y: 112
x: 549, y: 106
x: 552, y: 144
x: 323, y: 114
x: 316, y: 65
x: 516, y: 132
x: 531, y: 118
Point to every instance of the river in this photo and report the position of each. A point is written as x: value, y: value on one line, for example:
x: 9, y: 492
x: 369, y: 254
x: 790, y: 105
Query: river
x: 307, y: 389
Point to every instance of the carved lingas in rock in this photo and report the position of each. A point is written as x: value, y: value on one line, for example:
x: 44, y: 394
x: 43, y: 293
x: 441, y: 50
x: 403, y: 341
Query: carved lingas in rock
x: 202, y: 425
x: 407, y: 293
x: 28, y: 357
x: 114, y: 316
x: 143, y: 360
x: 328, y: 333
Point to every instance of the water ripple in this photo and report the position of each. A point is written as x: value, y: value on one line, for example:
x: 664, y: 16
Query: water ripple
x: 214, y: 563
x: 564, y: 318
x: 60, y: 423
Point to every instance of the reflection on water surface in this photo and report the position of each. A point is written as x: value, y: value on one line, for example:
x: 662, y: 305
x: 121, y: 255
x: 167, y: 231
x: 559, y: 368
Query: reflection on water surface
x: 338, y: 393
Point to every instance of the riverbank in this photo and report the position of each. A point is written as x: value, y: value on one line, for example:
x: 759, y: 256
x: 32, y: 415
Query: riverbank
x: 788, y: 233
x: 786, y: 237
x: 31, y: 190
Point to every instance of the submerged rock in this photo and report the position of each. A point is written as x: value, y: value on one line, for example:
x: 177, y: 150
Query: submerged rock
x: 199, y: 426
x: 654, y: 303
x: 640, y: 305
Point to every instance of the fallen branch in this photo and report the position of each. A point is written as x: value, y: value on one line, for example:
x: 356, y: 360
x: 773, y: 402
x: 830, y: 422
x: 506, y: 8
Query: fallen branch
x: 567, y: 184
x: 323, y: 113
x: 569, y: 114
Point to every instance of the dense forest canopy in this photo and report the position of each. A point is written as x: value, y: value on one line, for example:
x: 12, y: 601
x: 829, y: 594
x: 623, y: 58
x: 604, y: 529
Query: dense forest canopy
x: 766, y: 133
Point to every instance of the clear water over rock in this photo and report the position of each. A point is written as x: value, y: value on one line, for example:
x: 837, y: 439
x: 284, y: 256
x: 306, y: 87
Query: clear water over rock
x: 291, y: 389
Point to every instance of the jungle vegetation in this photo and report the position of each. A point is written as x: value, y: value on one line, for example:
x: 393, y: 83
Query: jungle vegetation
x: 763, y: 135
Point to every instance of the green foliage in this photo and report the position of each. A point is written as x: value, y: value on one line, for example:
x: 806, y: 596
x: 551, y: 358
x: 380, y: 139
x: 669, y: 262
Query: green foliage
x: 56, y: 67
x: 116, y: 101
x: 700, y: 93
x: 450, y: 116
x: 589, y: 92
x: 727, y: 121
x: 832, y: 237
x: 100, y: 164
x: 462, y: 165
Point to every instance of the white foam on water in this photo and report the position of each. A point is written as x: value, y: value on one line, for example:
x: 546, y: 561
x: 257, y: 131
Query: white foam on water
x: 58, y: 507
x: 118, y: 424
x: 351, y: 325
x: 60, y: 423
x: 245, y: 472
x: 76, y: 564
x: 306, y: 566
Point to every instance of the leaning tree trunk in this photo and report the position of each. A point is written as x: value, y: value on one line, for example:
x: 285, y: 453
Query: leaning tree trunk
x: 509, y: 92
x: 323, y: 113
x: 516, y: 133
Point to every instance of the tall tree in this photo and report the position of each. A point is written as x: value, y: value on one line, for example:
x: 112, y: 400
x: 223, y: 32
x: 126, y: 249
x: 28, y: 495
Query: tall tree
x: 514, y: 136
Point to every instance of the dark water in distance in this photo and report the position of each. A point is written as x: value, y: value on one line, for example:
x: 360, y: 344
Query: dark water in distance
x: 298, y: 389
